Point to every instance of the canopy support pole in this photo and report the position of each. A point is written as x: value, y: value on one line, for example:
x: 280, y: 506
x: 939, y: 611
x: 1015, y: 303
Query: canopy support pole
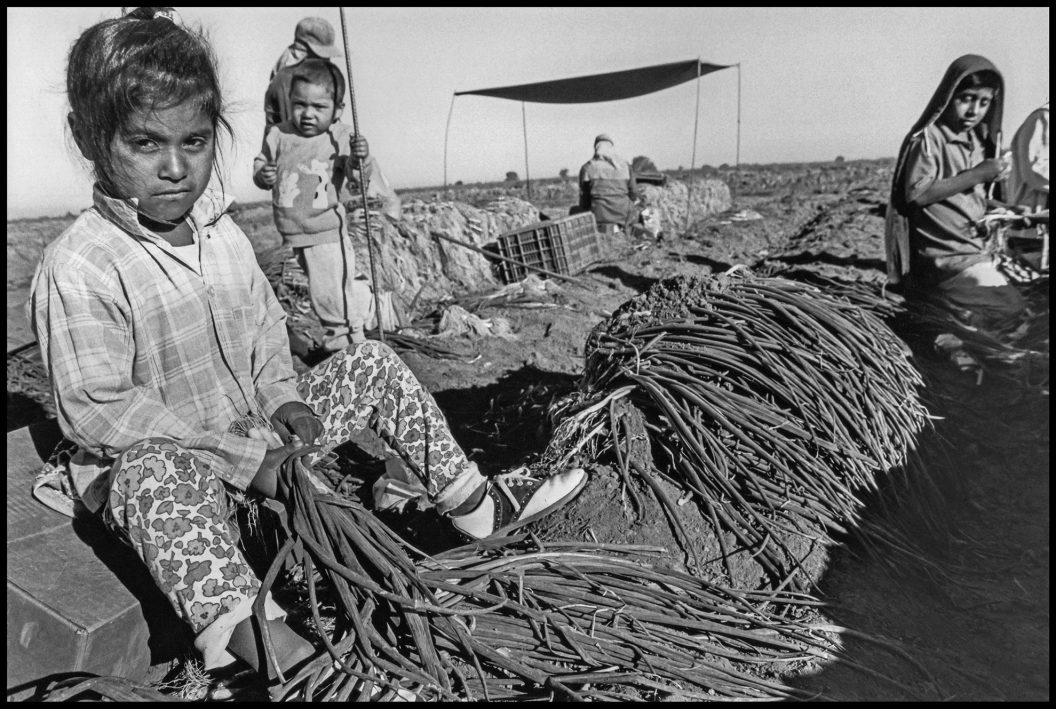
x: 693, y: 159
x: 527, y: 175
x: 737, y: 161
x: 447, y: 130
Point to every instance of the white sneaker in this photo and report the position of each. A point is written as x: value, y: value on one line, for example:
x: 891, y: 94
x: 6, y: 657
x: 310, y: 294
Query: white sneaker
x: 514, y: 499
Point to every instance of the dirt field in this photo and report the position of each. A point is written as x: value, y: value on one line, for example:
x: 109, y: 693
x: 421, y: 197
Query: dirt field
x: 968, y: 621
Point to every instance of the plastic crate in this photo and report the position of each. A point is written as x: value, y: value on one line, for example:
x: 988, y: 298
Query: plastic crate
x: 566, y: 245
x: 67, y: 609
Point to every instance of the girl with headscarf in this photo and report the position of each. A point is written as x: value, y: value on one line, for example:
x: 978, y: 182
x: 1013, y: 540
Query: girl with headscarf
x: 939, y: 192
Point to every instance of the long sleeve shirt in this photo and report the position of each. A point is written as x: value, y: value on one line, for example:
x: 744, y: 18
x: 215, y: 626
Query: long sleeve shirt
x: 313, y: 181
x: 140, y: 343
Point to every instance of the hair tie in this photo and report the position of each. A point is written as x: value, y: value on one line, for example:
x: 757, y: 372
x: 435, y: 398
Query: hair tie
x: 153, y: 13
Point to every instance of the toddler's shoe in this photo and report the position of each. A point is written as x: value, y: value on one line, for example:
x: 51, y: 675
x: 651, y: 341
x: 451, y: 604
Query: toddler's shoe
x: 514, y: 499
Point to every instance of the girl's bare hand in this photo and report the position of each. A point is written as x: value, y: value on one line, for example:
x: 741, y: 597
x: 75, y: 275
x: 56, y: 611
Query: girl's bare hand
x: 1005, y: 160
x: 266, y: 481
x: 267, y: 435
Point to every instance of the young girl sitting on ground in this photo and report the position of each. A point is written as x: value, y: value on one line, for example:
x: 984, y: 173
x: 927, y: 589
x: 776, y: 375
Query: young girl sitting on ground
x: 161, y: 337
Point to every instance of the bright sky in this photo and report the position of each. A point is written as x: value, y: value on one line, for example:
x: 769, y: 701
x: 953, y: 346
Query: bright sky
x: 815, y: 83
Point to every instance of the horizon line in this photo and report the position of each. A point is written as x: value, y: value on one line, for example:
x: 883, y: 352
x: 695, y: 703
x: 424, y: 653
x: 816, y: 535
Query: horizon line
x: 34, y: 214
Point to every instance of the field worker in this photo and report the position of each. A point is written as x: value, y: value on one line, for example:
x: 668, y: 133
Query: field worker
x: 313, y: 37
x: 312, y: 163
x: 939, y: 193
x: 1028, y: 183
x: 607, y: 188
x: 162, y: 339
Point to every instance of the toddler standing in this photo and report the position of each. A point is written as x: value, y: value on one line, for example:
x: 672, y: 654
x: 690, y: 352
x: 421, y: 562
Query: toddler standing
x: 311, y: 163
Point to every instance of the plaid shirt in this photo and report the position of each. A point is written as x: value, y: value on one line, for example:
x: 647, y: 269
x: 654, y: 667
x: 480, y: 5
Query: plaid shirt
x: 139, y: 344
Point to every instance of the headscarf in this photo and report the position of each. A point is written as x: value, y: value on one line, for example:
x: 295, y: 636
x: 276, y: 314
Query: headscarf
x: 896, y: 227
x: 605, y: 150
x: 1028, y: 185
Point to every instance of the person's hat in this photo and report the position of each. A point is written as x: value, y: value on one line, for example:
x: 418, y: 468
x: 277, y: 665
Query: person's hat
x: 603, y: 136
x: 318, y: 35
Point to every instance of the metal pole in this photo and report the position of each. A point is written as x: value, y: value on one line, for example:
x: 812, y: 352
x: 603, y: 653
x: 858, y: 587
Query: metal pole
x: 693, y: 160
x: 527, y: 176
x: 737, y: 161
x: 362, y: 186
x: 447, y: 130
x: 696, y: 121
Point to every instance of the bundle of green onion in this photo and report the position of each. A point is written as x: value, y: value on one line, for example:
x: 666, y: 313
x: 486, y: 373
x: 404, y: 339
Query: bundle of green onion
x: 506, y: 619
x: 774, y: 405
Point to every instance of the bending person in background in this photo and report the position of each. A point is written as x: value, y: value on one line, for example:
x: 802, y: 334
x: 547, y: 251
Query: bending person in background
x: 607, y: 188
x: 1028, y: 184
x: 947, y: 161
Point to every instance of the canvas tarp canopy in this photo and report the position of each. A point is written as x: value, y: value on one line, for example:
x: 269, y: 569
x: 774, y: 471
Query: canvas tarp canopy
x: 610, y: 86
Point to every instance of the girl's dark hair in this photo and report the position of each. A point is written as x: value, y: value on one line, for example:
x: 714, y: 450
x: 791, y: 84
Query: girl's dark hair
x: 981, y: 79
x: 321, y: 72
x: 118, y: 67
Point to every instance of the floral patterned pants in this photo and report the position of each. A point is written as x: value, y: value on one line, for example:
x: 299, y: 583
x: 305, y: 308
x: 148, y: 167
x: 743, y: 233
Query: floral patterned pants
x: 175, y: 513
